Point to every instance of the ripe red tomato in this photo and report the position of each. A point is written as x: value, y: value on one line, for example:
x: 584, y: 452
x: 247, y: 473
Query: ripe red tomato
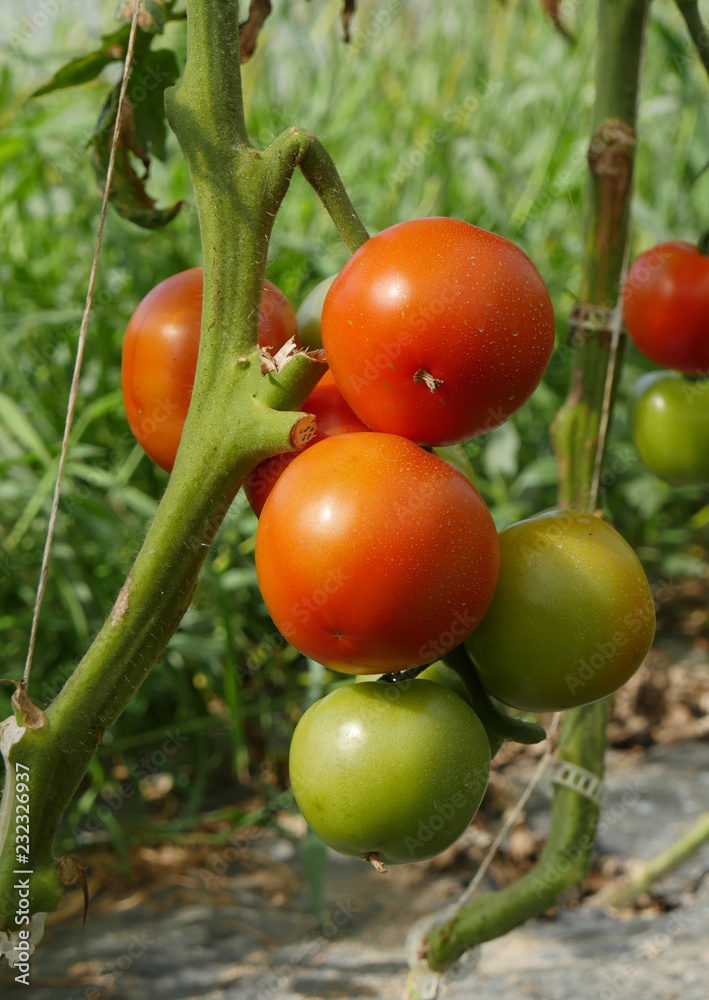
x: 373, y: 555
x: 437, y: 304
x: 666, y: 306
x: 333, y: 416
x: 160, y: 357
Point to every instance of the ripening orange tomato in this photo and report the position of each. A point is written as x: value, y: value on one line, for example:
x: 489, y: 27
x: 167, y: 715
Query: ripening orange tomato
x: 160, y: 357
x: 373, y: 555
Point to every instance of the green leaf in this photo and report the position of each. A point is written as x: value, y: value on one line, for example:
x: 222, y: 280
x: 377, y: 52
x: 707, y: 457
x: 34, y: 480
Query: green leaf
x: 500, y: 457
x: 88, y: 67
x: 457, y: 456
x: 542, y: 471
x: 147, y: 95
x: 94, y: 410
x: 43, y: 491
x: 152, y: 16
x: 156, y: 10
x: 128, y: 192
x: 22, y: 430
x: 137, y: 501
x: 701, y: 518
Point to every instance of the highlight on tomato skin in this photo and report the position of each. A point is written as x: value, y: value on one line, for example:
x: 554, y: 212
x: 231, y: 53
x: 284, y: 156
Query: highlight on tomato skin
x: 437, y: 330
x: 373, y: 555
x: 159, y: 357
x: 333, y: 416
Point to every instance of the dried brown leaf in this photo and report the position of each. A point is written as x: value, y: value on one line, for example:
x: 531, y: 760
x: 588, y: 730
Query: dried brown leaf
x: 249, y: 30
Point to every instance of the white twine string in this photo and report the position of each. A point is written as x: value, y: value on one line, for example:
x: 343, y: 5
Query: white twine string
x: 73, y: 393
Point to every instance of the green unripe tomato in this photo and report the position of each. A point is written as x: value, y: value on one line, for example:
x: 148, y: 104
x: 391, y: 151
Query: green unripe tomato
x: 309, y: 313
x: 669, y: 421
x: 439, y: 673
x: 394, y: 772
x: 572, y: 616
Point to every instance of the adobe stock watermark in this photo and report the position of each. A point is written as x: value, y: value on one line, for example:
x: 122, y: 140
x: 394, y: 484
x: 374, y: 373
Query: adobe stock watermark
x: 605, y: 653
x: 309, y: 605
x: 44, y: 355
x: 454, y: 119
x: 645, y: 270
x: 374, y: 26
x: 462, y: 624
x: 31, y: 24
x: 111, y: 801
x: 75, y: 157
x: 102, y: 477
x: 442, y: 816
x: 262, y: 479
x: 696, y: 390
x: 647, y: 950
x: 632, y: 793
x: 553, y: 189
x: 108, y: 975
x: 260, y: 654
x: 310, y: 947
x: 243, y: 840
x: 634, y: 622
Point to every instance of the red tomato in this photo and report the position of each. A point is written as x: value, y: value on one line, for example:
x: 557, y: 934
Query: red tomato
x: 160, y: 357
x: 373, y: 555
x: 666, y: 306
x: 437, y: 330
x: 333, y: 416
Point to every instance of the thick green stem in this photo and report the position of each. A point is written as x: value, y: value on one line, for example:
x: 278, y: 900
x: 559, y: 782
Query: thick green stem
x: 237, y: 417
x: 561, y: 870
x: 575, y: 431
x: 497, y: 723
x: 565, y: 861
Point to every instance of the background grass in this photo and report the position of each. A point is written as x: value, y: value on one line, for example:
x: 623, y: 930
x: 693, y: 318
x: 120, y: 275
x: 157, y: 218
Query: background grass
x: 482, y: 113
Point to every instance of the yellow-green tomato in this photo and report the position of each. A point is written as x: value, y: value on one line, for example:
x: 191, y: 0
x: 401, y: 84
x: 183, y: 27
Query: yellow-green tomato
x: 309, y: 313
x: 392, y: 772
x: 669, y: 420
x: 572, y: 616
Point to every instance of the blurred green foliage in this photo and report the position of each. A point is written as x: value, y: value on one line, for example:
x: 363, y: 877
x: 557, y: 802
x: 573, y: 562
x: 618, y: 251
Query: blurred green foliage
x: 431, y: 110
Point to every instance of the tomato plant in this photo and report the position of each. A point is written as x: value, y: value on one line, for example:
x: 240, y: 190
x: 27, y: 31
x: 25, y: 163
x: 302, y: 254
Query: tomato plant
x: 160, y: 357
x: 437, y: 330
x: 670, y: 426
x: 333, y: 416
x: 666, y: 306
x: 394, y: 771
x: 373, y: 555
x: 572, y: 617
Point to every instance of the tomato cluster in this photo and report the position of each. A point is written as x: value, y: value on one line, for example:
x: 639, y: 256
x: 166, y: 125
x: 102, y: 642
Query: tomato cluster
x: 375, y: 556
x: 666, y: 310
